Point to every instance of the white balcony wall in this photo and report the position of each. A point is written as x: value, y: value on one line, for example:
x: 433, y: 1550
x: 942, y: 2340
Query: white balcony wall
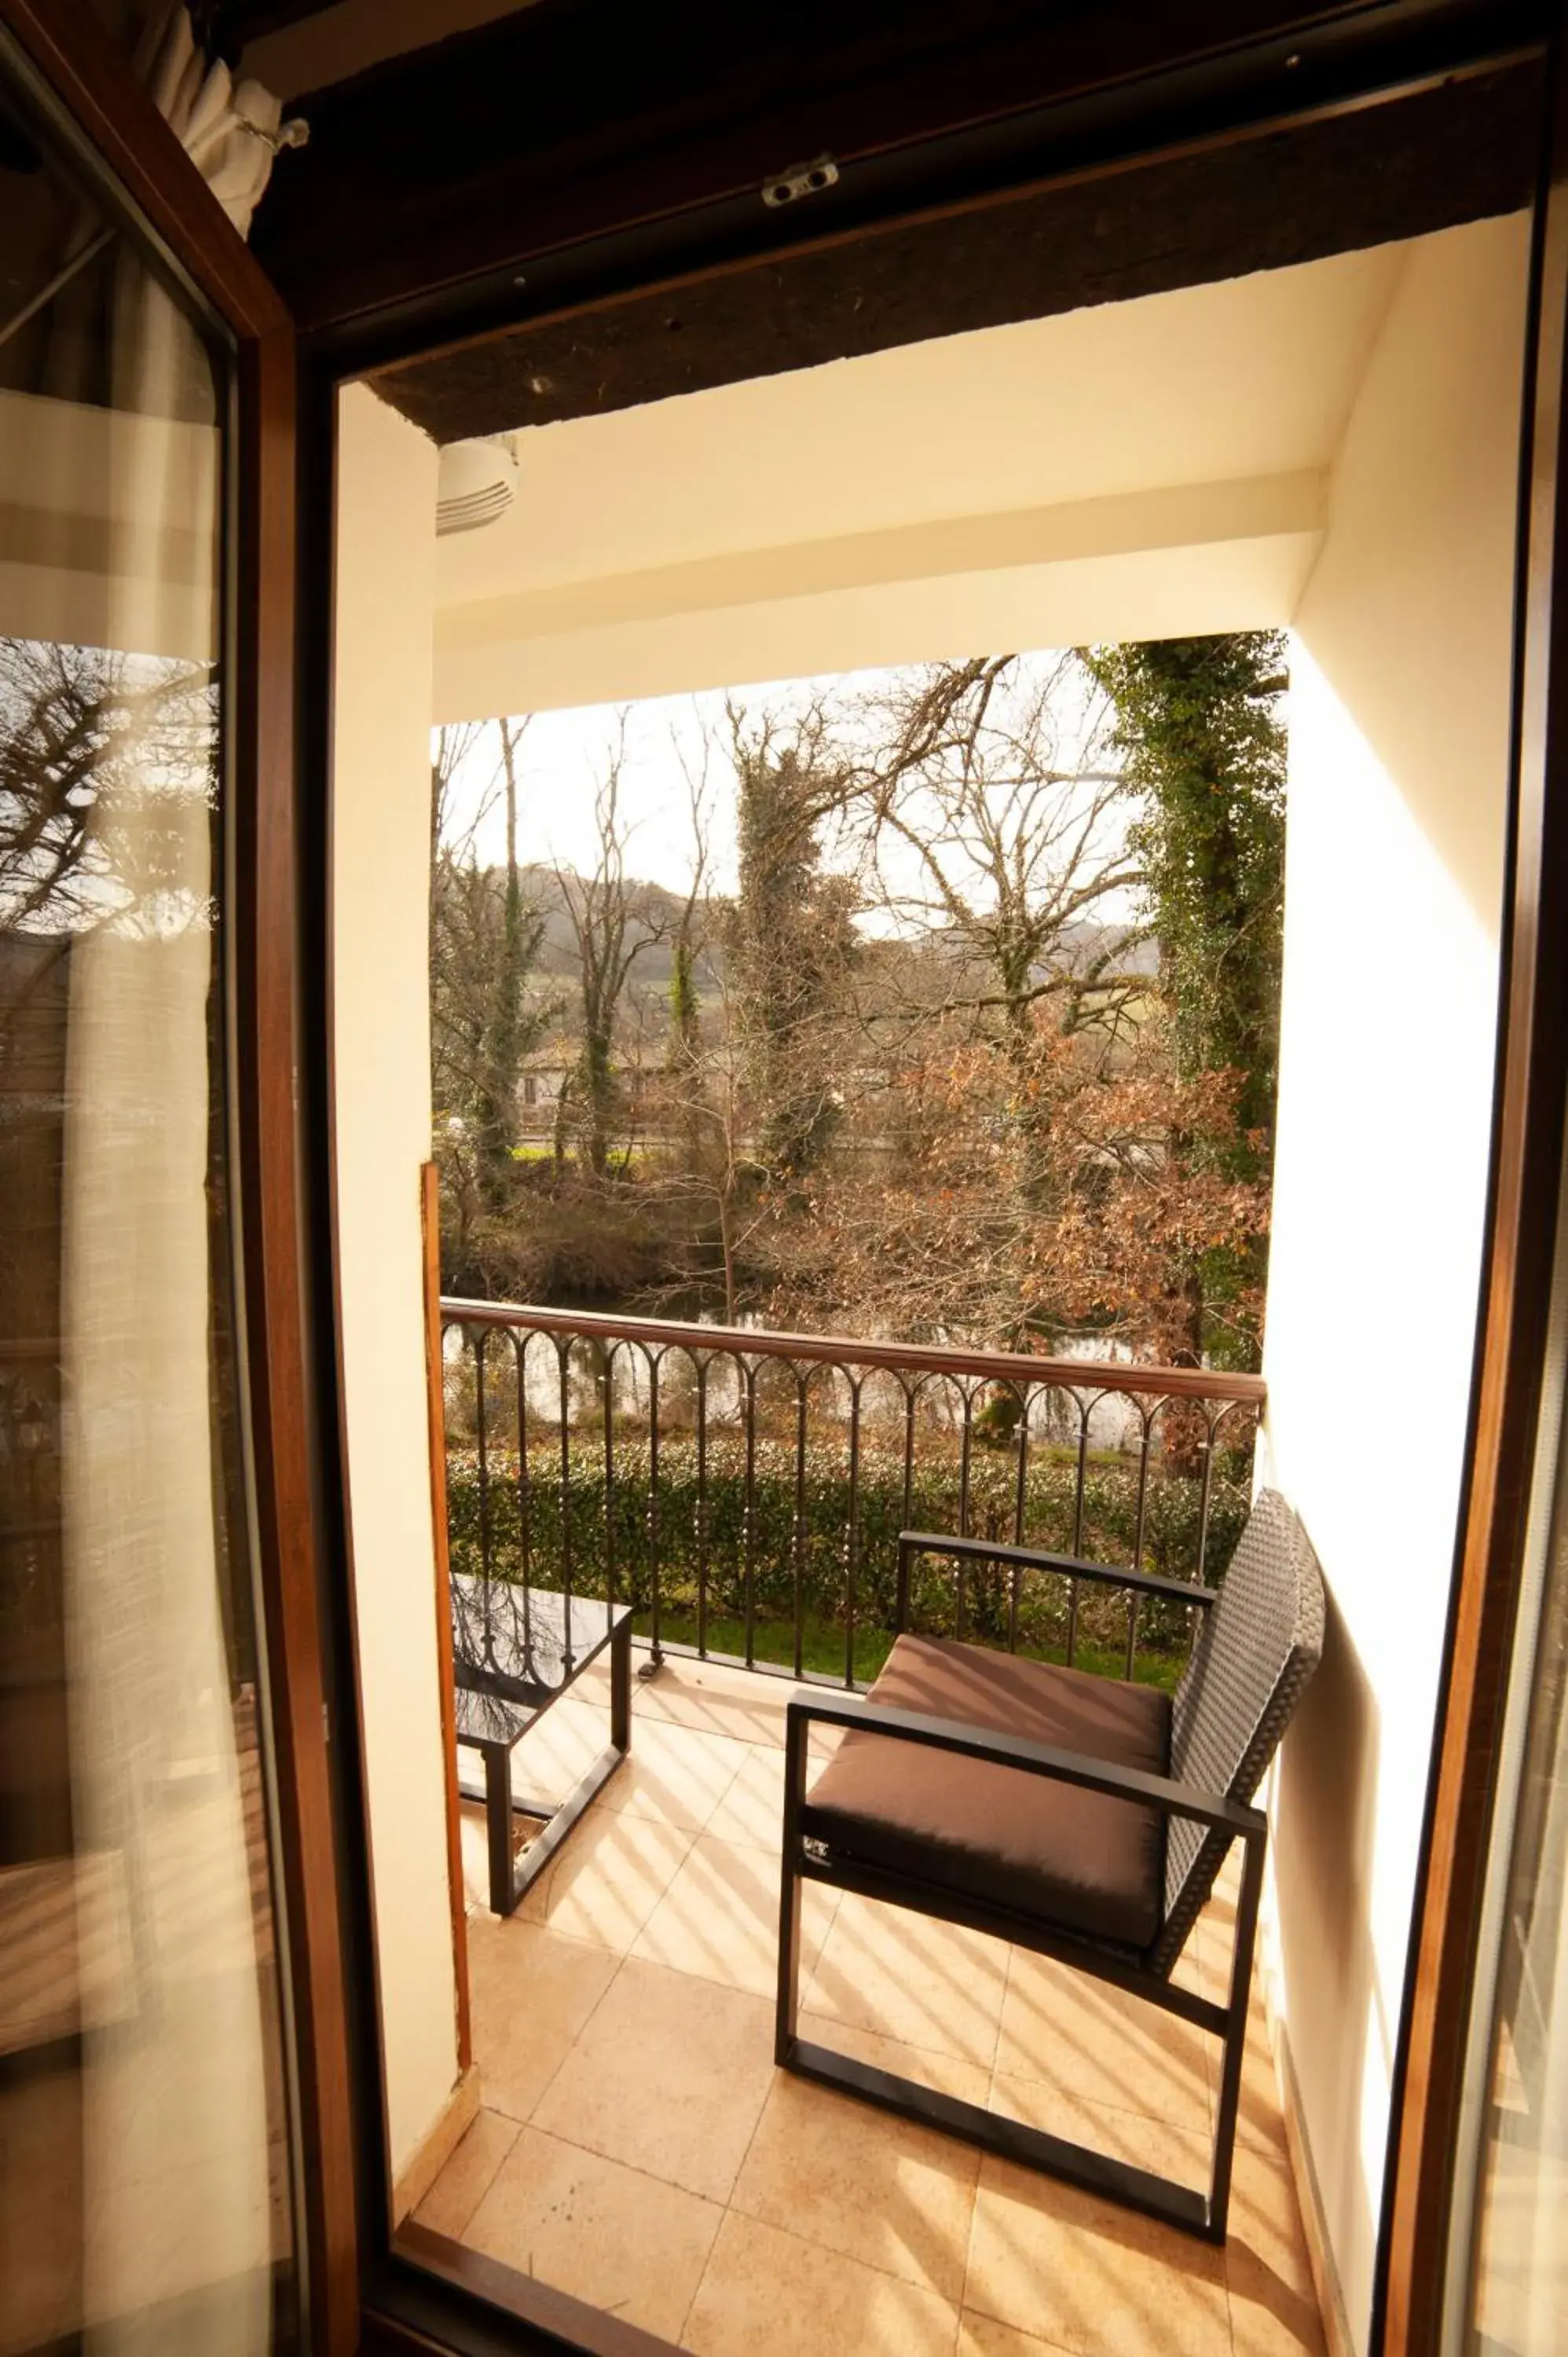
x: 1399, y: 751
x: 380, y: 1047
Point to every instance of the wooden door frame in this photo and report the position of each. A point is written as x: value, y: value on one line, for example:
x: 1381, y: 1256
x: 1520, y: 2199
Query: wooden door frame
x: 623, y: 263
x: 287, y: 1282
x: 626, y: 261
x: 119, y: 131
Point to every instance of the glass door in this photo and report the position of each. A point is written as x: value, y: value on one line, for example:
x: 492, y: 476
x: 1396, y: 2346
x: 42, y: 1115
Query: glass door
x: 1507, y: 2293
x: 147, y: 2173
x: 1519, y: 2298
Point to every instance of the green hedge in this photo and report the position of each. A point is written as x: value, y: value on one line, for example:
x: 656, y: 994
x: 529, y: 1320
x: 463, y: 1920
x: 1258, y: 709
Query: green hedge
x: 818, y: 1556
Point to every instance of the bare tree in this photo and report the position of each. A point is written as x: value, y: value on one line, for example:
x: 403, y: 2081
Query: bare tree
x: 709, y: 1175
x: 459, y: 929
x: 484, y: 936
x: 684, y: 1047
x: 108, y: 794
x: 994, y: 824
x: 507, y: 1034
x: 107, y: 761
x: 608, y: 938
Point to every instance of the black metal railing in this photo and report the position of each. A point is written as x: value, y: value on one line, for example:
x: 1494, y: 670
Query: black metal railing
x: 744, y: 1491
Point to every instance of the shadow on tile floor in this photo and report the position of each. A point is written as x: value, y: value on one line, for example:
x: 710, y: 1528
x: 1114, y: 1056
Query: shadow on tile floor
x: 638, y: 2149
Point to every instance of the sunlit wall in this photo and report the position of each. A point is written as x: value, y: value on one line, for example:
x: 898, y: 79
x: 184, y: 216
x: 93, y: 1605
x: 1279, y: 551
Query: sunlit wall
x: 1398, y: 722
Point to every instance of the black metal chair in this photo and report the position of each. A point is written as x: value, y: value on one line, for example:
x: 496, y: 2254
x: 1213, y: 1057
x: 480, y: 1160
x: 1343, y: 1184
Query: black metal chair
x: 1084, y: 1818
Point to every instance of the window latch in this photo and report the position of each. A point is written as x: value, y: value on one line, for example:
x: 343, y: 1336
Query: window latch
x: 799, y: 180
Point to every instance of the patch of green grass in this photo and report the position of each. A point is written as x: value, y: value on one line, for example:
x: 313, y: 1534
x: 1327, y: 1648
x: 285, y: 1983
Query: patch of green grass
x: 822, y: 1648
x: 534, y: 1153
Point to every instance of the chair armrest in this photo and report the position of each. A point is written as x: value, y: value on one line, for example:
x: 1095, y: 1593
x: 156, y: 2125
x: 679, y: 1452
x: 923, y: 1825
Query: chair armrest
x: 1077, y: 1768
x: 1147, y: 1583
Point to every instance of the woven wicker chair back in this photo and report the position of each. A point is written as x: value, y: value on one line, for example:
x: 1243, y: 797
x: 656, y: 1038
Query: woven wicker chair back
x: 1259, y: 1643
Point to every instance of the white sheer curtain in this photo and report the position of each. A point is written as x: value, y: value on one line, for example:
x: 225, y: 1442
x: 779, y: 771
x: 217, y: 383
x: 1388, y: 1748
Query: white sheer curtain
x: 175, y: 2106
x: 230, y: 130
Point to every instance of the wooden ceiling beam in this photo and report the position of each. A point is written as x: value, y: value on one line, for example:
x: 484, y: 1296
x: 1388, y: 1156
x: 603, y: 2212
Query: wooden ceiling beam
x: 233, y: 22
x: 577, y: 120
x: 1457, y: 153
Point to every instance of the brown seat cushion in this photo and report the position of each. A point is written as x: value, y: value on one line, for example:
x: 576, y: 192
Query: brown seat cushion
x: 1085, y: 1861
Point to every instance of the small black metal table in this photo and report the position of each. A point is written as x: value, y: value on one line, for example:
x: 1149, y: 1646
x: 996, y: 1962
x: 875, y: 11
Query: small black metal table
x: 515, y: 1651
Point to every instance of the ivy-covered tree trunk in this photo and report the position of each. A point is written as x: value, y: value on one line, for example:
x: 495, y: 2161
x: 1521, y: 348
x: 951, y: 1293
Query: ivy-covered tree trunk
x: 595, y: 1069
x: 684, y: 1051
x: 1199, y: 729
x: 791, y: 944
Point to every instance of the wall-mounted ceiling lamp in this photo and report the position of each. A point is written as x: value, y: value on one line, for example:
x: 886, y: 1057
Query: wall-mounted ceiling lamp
x: 476, y: 482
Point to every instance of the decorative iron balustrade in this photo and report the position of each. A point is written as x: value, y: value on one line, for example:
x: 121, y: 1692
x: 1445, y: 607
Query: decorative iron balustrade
x: 743, y: 1491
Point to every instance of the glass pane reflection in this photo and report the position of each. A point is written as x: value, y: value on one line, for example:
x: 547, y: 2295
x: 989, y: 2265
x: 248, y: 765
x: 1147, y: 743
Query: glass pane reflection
x: 1520, y: 2292
x: 145, y: 2186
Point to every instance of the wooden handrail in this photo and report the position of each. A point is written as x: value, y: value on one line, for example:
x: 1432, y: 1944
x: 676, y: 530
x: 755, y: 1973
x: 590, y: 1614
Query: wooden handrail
x: 430, y: 1233
x: 838, y: 1350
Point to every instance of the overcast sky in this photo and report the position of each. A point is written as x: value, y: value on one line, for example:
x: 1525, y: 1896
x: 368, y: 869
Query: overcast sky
x: 564, y: 758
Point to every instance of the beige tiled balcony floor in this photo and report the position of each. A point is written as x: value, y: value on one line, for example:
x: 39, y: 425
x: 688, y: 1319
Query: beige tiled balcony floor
x: 637, y: 2147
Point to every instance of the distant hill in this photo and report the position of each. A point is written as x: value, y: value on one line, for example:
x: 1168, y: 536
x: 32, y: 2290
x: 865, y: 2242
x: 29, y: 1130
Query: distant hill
x: 656, y: 911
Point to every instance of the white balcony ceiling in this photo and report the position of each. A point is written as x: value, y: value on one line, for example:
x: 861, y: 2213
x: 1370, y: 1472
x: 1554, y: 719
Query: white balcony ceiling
x: 1138, y: 469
